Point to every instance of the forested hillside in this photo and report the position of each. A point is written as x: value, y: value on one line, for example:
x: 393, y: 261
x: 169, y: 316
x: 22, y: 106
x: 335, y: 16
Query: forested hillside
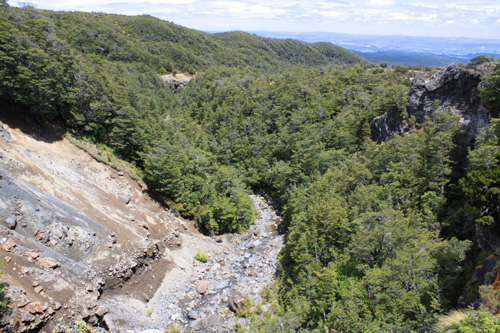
x: 380, y: 237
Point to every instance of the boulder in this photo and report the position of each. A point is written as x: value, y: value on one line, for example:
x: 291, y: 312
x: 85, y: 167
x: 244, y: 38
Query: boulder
x: 202, y: 287
x: 101, y: 311
x: 41, y: 235
x: 235, y: 304
x: 4, y: 134
x: 48, y: 262
x: 9, y: 244
x: 26, y: 317
x: 382, y: 128
x: 470, y: 295
x: 22, y: 304
x: 85, y: 313
x: 193, y: 314
x: 448, y: 88
x: 34, y: 307
x: 11, y: 222
x: 33, y: 255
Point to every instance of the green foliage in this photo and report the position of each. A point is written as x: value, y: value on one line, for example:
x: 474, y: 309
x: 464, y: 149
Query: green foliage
x: 363, y: 251
x: 4, y: 300
x: 174, y: 328
x: 490, y: 298
x: 400, y: 69
x: 482, y: 182
x: 78, y: 327
x: 200, y: 256
x: 490, y: 90
x: 469, y: 321
x: 478, y: 60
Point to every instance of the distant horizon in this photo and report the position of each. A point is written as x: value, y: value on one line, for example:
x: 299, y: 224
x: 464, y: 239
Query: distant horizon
x: 446, y: 19
x: 257, y: 32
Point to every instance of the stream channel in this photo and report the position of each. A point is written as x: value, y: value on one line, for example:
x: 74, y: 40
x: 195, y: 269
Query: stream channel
x: 196, y: 295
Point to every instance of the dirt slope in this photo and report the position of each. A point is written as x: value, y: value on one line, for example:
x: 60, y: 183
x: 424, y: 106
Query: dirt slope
x: 97, y: 225
x: 82, y: 241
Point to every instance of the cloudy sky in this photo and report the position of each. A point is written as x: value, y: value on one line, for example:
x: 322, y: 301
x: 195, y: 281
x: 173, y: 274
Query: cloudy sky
x: 446, y: 18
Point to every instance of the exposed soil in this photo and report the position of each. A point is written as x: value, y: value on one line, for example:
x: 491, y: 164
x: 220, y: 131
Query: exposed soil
x: 177, y: 80
x: 83, y: 241
x: 100, y: 227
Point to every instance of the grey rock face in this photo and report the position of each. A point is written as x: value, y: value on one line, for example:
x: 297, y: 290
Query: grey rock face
x: 4, y: 134
x: 452, y: 88
x: 385, y: 126
x: 448, y: 88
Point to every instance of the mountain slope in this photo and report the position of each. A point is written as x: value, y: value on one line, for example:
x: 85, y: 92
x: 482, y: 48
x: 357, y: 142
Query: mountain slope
x: 288, y: 50
x: 172, y: 47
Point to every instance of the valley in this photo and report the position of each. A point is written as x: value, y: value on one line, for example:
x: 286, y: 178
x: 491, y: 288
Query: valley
x: 386, y: 180
x: 121, y: 258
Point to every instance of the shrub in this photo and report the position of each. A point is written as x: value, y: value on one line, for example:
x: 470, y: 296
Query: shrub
x: 200, y: 256
x: 467, y: 321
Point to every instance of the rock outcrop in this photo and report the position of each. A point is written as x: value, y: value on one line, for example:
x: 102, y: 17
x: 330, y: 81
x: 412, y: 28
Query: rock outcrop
x: 387, y: 125
x: 487, y: 273
x: 451, y: 88
x: 178, y: 81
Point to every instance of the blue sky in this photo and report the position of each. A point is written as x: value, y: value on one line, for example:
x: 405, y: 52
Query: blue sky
x: 445, y: 18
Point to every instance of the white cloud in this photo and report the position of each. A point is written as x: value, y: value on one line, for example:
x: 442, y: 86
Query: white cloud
x: 381, y: 2
x: 401, y: 16
x: 257, y: 10
x: 227, y: 4
x: 427, y: 18
x: 361, y: 16
x: 426, y: 5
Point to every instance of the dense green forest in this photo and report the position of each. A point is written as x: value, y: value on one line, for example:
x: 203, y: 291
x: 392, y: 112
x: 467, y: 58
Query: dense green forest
x: 377, y: 235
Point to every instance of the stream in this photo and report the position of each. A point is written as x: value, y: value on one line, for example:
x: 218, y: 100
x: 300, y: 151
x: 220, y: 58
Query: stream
x: 240, y: 265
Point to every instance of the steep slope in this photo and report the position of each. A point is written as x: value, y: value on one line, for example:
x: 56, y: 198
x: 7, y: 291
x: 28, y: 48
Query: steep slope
x: 83, y: 241
x: 80, y: 228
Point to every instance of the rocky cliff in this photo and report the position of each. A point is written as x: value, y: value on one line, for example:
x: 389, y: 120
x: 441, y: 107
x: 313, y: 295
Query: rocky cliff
x: 452, y: 88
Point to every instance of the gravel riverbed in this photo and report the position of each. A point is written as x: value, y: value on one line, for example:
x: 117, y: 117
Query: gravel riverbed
x: 197, y: 295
